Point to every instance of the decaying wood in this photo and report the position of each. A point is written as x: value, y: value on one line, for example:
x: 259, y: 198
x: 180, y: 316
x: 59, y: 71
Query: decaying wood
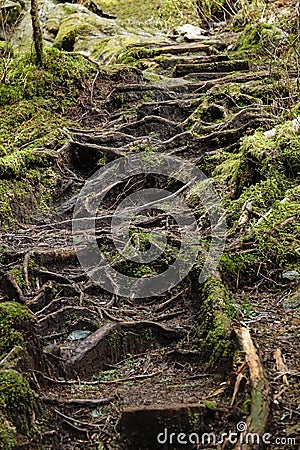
x: 258, y: 418
x: 216, y: 68
x: 182, y: 48
x: 239, y: 378
x: 172, y: 61
x: 281, y: 367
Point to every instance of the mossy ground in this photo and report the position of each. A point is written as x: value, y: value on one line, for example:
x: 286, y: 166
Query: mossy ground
x: 33, y: 101
x: 261, y: 182
x: 17, y: 399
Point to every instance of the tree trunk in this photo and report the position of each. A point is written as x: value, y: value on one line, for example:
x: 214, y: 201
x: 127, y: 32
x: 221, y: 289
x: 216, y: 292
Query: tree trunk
x: 37, y: 32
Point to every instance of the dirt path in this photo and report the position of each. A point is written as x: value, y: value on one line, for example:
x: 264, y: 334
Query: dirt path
x: 121, y: 370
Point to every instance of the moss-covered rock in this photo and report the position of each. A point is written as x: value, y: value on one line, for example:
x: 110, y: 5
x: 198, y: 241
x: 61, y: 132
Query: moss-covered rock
x: 20, y: 351
x: 74, y: 27
x: 78, y: 25
x: 257, y: 38
x: 8, y: 438
x: 17, y: 399
x: 124, y: 49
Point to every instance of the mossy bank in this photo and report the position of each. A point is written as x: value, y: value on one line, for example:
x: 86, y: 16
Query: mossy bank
x: 34, y: 102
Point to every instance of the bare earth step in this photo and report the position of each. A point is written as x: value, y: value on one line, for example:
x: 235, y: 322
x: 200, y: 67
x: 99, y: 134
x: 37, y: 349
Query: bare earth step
x: 176, y: 110
x: 113, y: 341
x: 152, y: 427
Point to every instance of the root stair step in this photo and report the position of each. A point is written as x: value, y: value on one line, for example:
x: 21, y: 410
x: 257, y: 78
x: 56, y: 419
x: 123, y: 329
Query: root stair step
x: 211, y: 67
x: 180, y: 49
x: 172, y: 61
x: 175, y: 110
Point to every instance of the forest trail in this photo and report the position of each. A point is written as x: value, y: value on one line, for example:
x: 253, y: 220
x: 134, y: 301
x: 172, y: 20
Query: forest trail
x: 119, y: 370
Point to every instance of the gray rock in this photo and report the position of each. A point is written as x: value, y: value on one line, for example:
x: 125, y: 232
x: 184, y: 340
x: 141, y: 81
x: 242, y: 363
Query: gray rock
x: 291, y: 275
x: 10, y: 10
x: 76, y: 335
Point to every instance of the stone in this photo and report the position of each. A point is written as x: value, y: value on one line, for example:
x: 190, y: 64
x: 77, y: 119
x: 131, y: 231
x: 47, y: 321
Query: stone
x: 77, y: 335
x: 10, y: 11
x: 291, y: 275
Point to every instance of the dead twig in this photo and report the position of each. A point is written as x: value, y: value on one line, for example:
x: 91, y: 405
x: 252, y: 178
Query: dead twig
x: 281, y: 367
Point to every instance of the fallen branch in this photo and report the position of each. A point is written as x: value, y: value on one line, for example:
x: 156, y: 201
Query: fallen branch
x: 257, y: 420
x: 9, y: 355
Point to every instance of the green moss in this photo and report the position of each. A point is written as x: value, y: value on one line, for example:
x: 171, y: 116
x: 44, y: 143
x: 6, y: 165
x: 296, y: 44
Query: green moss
x: 18, y: 275
x: 133, y: 54
x: 124, y: 49
x: 256, y: 38
x: 17, y: 400
x: 32, y: 100
x: 8, y: 439
x: 215, y: 332
x: 71, y: 29
x: 211, y: 405
x: 15, y: 319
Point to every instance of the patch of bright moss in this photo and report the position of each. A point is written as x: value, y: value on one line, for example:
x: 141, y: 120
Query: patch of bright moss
x: 256, y: 38
x: 15, y: 320
x: 8, y: 439
x: 152, y: 13
x: 17, y: 399
x: 262, y: 184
